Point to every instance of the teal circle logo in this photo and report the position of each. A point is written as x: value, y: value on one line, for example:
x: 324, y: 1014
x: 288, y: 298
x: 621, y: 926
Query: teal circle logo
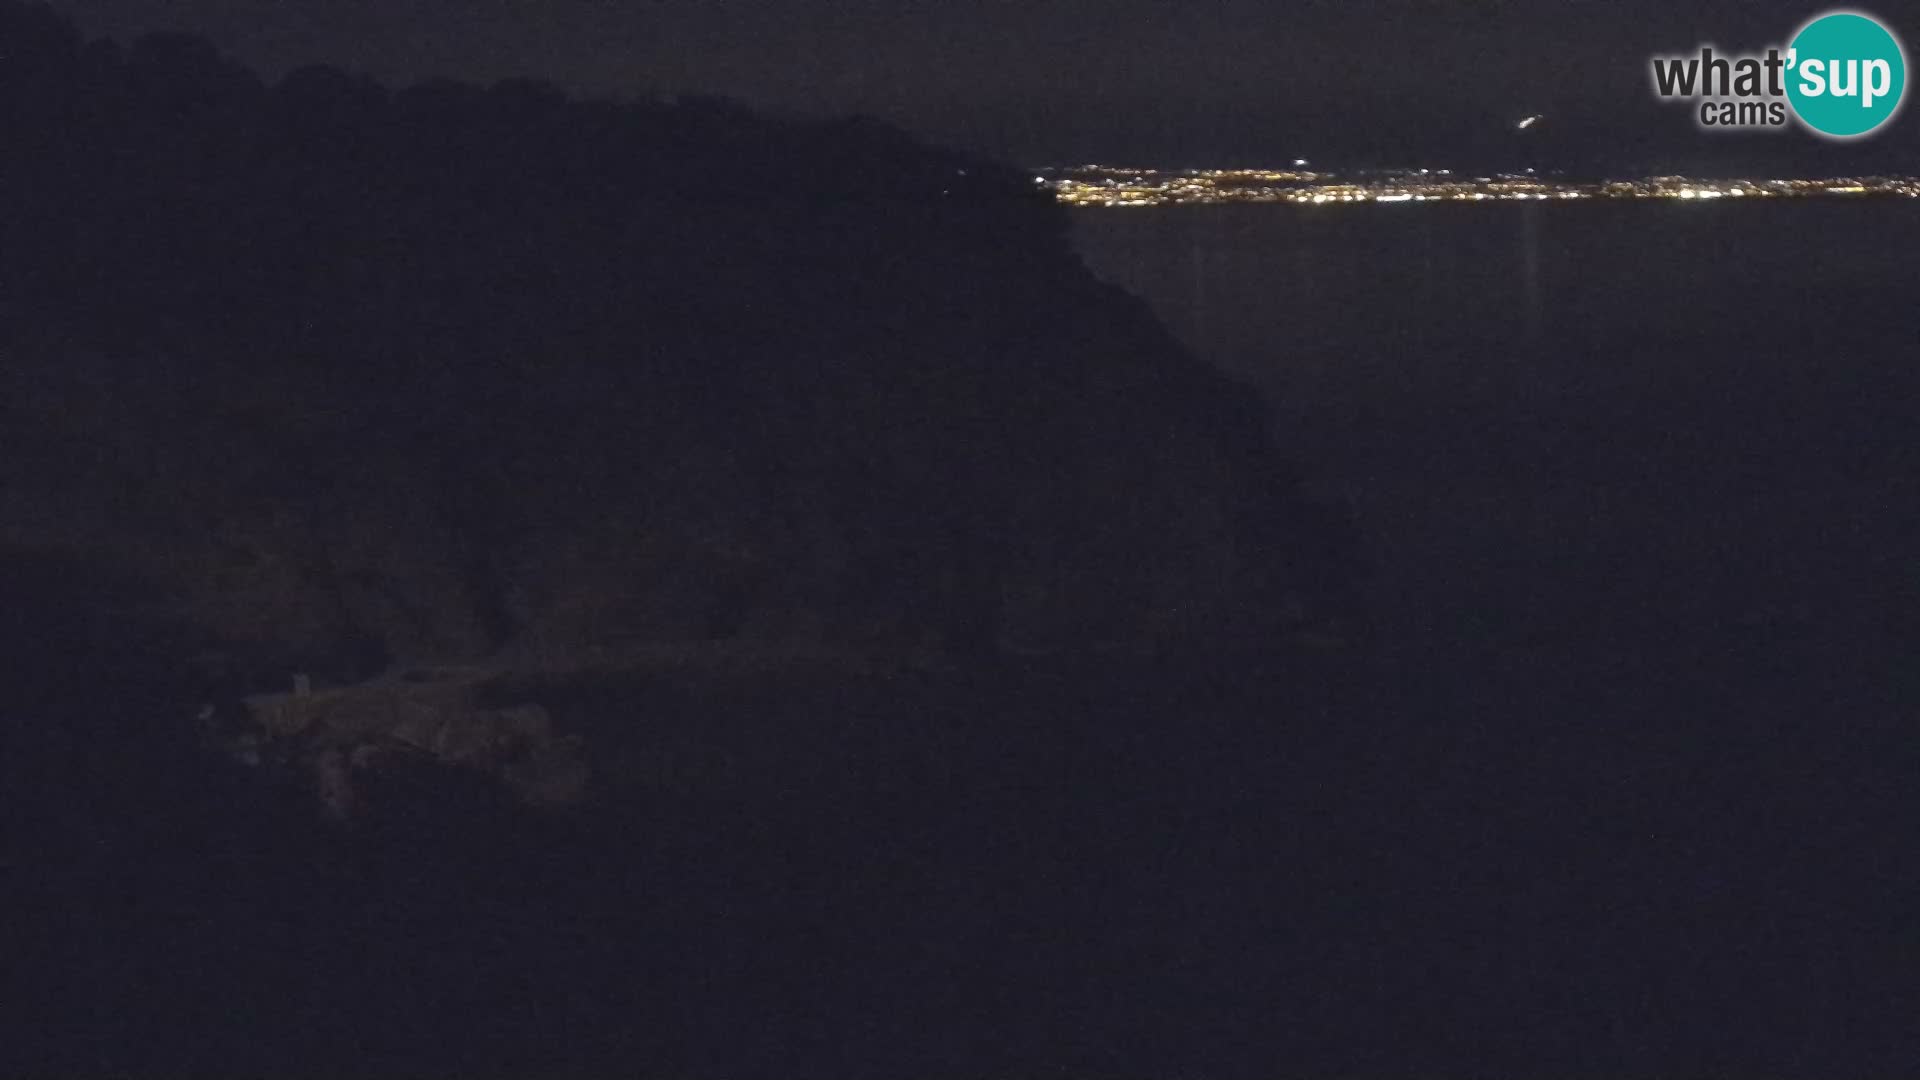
x: 1846, y: 74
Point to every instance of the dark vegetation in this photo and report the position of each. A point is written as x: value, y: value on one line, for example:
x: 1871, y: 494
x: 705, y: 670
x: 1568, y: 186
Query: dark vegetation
x: 327, y: 377
x: 388, y: 375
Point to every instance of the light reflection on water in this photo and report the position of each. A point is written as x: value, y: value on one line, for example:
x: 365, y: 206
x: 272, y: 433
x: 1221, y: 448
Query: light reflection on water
x: 1376, y: 308
x: 1577, y: 433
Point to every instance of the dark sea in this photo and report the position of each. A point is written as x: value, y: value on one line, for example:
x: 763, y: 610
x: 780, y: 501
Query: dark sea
x: 1662, y: 451
x: 1639, y: 487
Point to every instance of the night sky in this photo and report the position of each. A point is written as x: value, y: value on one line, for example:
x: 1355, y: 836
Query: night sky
x: 1047, y: 81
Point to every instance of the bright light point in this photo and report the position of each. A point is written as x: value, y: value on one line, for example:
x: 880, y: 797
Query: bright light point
x: 1299, y: 163
x: 1529, y: 122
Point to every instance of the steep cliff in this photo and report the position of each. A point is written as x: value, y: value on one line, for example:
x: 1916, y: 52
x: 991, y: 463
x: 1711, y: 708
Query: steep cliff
x: 349, y: 377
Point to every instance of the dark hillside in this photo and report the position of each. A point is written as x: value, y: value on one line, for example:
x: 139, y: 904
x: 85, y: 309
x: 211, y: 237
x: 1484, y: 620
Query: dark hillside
x: 955, y: 581
x: 368, y: 375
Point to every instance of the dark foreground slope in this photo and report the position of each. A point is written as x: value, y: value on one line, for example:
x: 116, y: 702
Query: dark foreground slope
x: 971, y: 873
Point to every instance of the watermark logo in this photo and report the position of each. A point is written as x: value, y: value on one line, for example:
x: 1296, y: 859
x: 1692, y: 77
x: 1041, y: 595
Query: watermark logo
x: 1843, y: 76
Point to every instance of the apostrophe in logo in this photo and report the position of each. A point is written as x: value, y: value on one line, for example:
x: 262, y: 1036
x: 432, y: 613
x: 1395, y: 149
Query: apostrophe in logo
x: 1847, y: 75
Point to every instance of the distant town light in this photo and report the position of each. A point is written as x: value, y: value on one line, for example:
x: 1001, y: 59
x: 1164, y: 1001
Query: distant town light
x: 1096, y: 185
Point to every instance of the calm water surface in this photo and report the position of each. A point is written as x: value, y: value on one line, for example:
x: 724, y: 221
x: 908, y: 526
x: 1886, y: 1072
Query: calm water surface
x: 1662, y: 452
x: 1640, y: 486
